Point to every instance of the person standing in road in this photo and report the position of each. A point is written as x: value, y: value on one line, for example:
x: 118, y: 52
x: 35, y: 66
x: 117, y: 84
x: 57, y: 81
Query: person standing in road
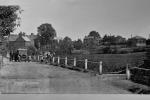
x: 10, y: 56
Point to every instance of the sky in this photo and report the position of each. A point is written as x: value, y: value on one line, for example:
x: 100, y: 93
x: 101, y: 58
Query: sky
x: 76, y: 18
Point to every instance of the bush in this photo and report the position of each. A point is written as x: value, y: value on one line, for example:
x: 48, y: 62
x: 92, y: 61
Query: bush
x: 139, y: 49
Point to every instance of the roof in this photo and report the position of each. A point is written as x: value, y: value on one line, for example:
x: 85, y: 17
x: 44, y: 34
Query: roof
x: 12, y: 37
x: 26, y: 38
x: 21, y: 49
x: 32, y: 37
x: 89, y: 37
x: 138, y: 37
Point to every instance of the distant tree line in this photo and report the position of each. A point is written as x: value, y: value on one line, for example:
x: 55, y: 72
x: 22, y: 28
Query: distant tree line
x: 93, y: 42
x: 46, y: 34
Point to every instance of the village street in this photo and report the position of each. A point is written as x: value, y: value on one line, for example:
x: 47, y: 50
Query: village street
x: 31, y: 77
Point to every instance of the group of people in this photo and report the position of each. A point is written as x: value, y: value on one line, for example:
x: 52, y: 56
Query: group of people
x: 46, y: 57
x: 14, y: 56
x: 17, y: 57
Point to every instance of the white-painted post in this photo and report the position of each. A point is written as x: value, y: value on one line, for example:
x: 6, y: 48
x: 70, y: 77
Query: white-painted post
x: 128, y: 72
x: 86, y: 62
x: 74, y: 64
x: 66, y: 61
x: 100, y: 67
x: 58, y: 60
x: 38, y: 58
x: 53, y: 60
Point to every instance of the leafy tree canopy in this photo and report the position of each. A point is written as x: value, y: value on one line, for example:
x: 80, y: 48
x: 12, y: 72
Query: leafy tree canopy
x: 66, y: 46
x: 46, y: 33
x: 114, y: 39
x: 78, y: 44
x: 94, y: 34
x: 9, y: 19
x: 31, y: 50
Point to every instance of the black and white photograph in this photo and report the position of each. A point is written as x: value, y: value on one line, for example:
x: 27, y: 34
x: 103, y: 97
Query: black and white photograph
x: 75, y: 47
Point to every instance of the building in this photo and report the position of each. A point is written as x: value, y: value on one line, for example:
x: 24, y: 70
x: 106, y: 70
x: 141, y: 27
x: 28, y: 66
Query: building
x: 20, y: 41
x: 11, y: 41
x: 32, y: 37
x: 137, y: 41
x: 91, y: 41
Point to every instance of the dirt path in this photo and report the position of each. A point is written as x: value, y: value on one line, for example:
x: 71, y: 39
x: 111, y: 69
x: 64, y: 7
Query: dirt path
x: 32, y: 77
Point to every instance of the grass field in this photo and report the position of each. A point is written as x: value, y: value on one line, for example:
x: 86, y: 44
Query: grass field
x: 111, y: 62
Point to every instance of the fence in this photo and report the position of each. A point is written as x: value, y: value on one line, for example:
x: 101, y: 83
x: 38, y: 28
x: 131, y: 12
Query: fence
x: 1, y: 61
x: 140, y: 75
x: 78, y: 64
x: 98, y: 67
x: 87, y: 65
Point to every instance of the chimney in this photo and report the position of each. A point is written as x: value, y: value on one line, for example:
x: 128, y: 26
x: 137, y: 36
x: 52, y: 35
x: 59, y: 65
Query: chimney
x: 20, y: 34
x: 23, y: 33
x: 32, y: 34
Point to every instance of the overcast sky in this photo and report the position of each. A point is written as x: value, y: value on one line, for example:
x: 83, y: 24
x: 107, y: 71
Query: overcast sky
x: 76, y: 18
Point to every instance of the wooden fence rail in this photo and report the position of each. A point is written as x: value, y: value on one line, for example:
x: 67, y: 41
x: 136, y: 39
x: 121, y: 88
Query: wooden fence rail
x: 75, y: 62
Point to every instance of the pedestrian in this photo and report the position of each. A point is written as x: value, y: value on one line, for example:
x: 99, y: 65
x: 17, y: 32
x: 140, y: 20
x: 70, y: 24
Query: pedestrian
x: 10, y: 55
x: 13, y: 56
x: 29, y: 58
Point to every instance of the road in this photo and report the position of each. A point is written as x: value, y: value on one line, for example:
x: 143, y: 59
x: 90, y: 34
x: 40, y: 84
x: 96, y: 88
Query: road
x: 31, y: 77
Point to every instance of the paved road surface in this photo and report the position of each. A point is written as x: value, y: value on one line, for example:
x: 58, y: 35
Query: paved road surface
x: 32, y: 77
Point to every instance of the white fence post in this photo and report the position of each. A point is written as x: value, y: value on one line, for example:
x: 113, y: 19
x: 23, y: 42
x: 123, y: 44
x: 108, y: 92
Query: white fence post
x: 128, y: 72
x: 86, y: 62
x: 53, y: 60
x: 74, y: 64
x: 66, y: 61
x: 38, y: 58
x: 100, y: 67
x: 58, y: 60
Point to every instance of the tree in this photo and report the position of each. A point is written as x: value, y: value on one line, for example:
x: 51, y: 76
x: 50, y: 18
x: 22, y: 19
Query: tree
x: 31, y: 50
x: 37, y: 42
x: 148, y: 42
x: 46, y: 33
x: 94, y: 34
x: 9, y: 19
x: 113, y: 40
x: 66, y: 46
x: 78, y: 44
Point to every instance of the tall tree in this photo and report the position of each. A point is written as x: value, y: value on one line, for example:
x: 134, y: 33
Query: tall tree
x: 31, y: 50
x: 9, y: 19
x: 66, y: 46
x: 94, y: 34
x: 46, y: 33
x: 78, y: 44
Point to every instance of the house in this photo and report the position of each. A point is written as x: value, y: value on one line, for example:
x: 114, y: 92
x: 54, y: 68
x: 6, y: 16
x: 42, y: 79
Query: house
x: 137, y: 41
x: 11, y: 41
x: 91, y: 41
x: 32, y: 37
x: 20, y: 41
